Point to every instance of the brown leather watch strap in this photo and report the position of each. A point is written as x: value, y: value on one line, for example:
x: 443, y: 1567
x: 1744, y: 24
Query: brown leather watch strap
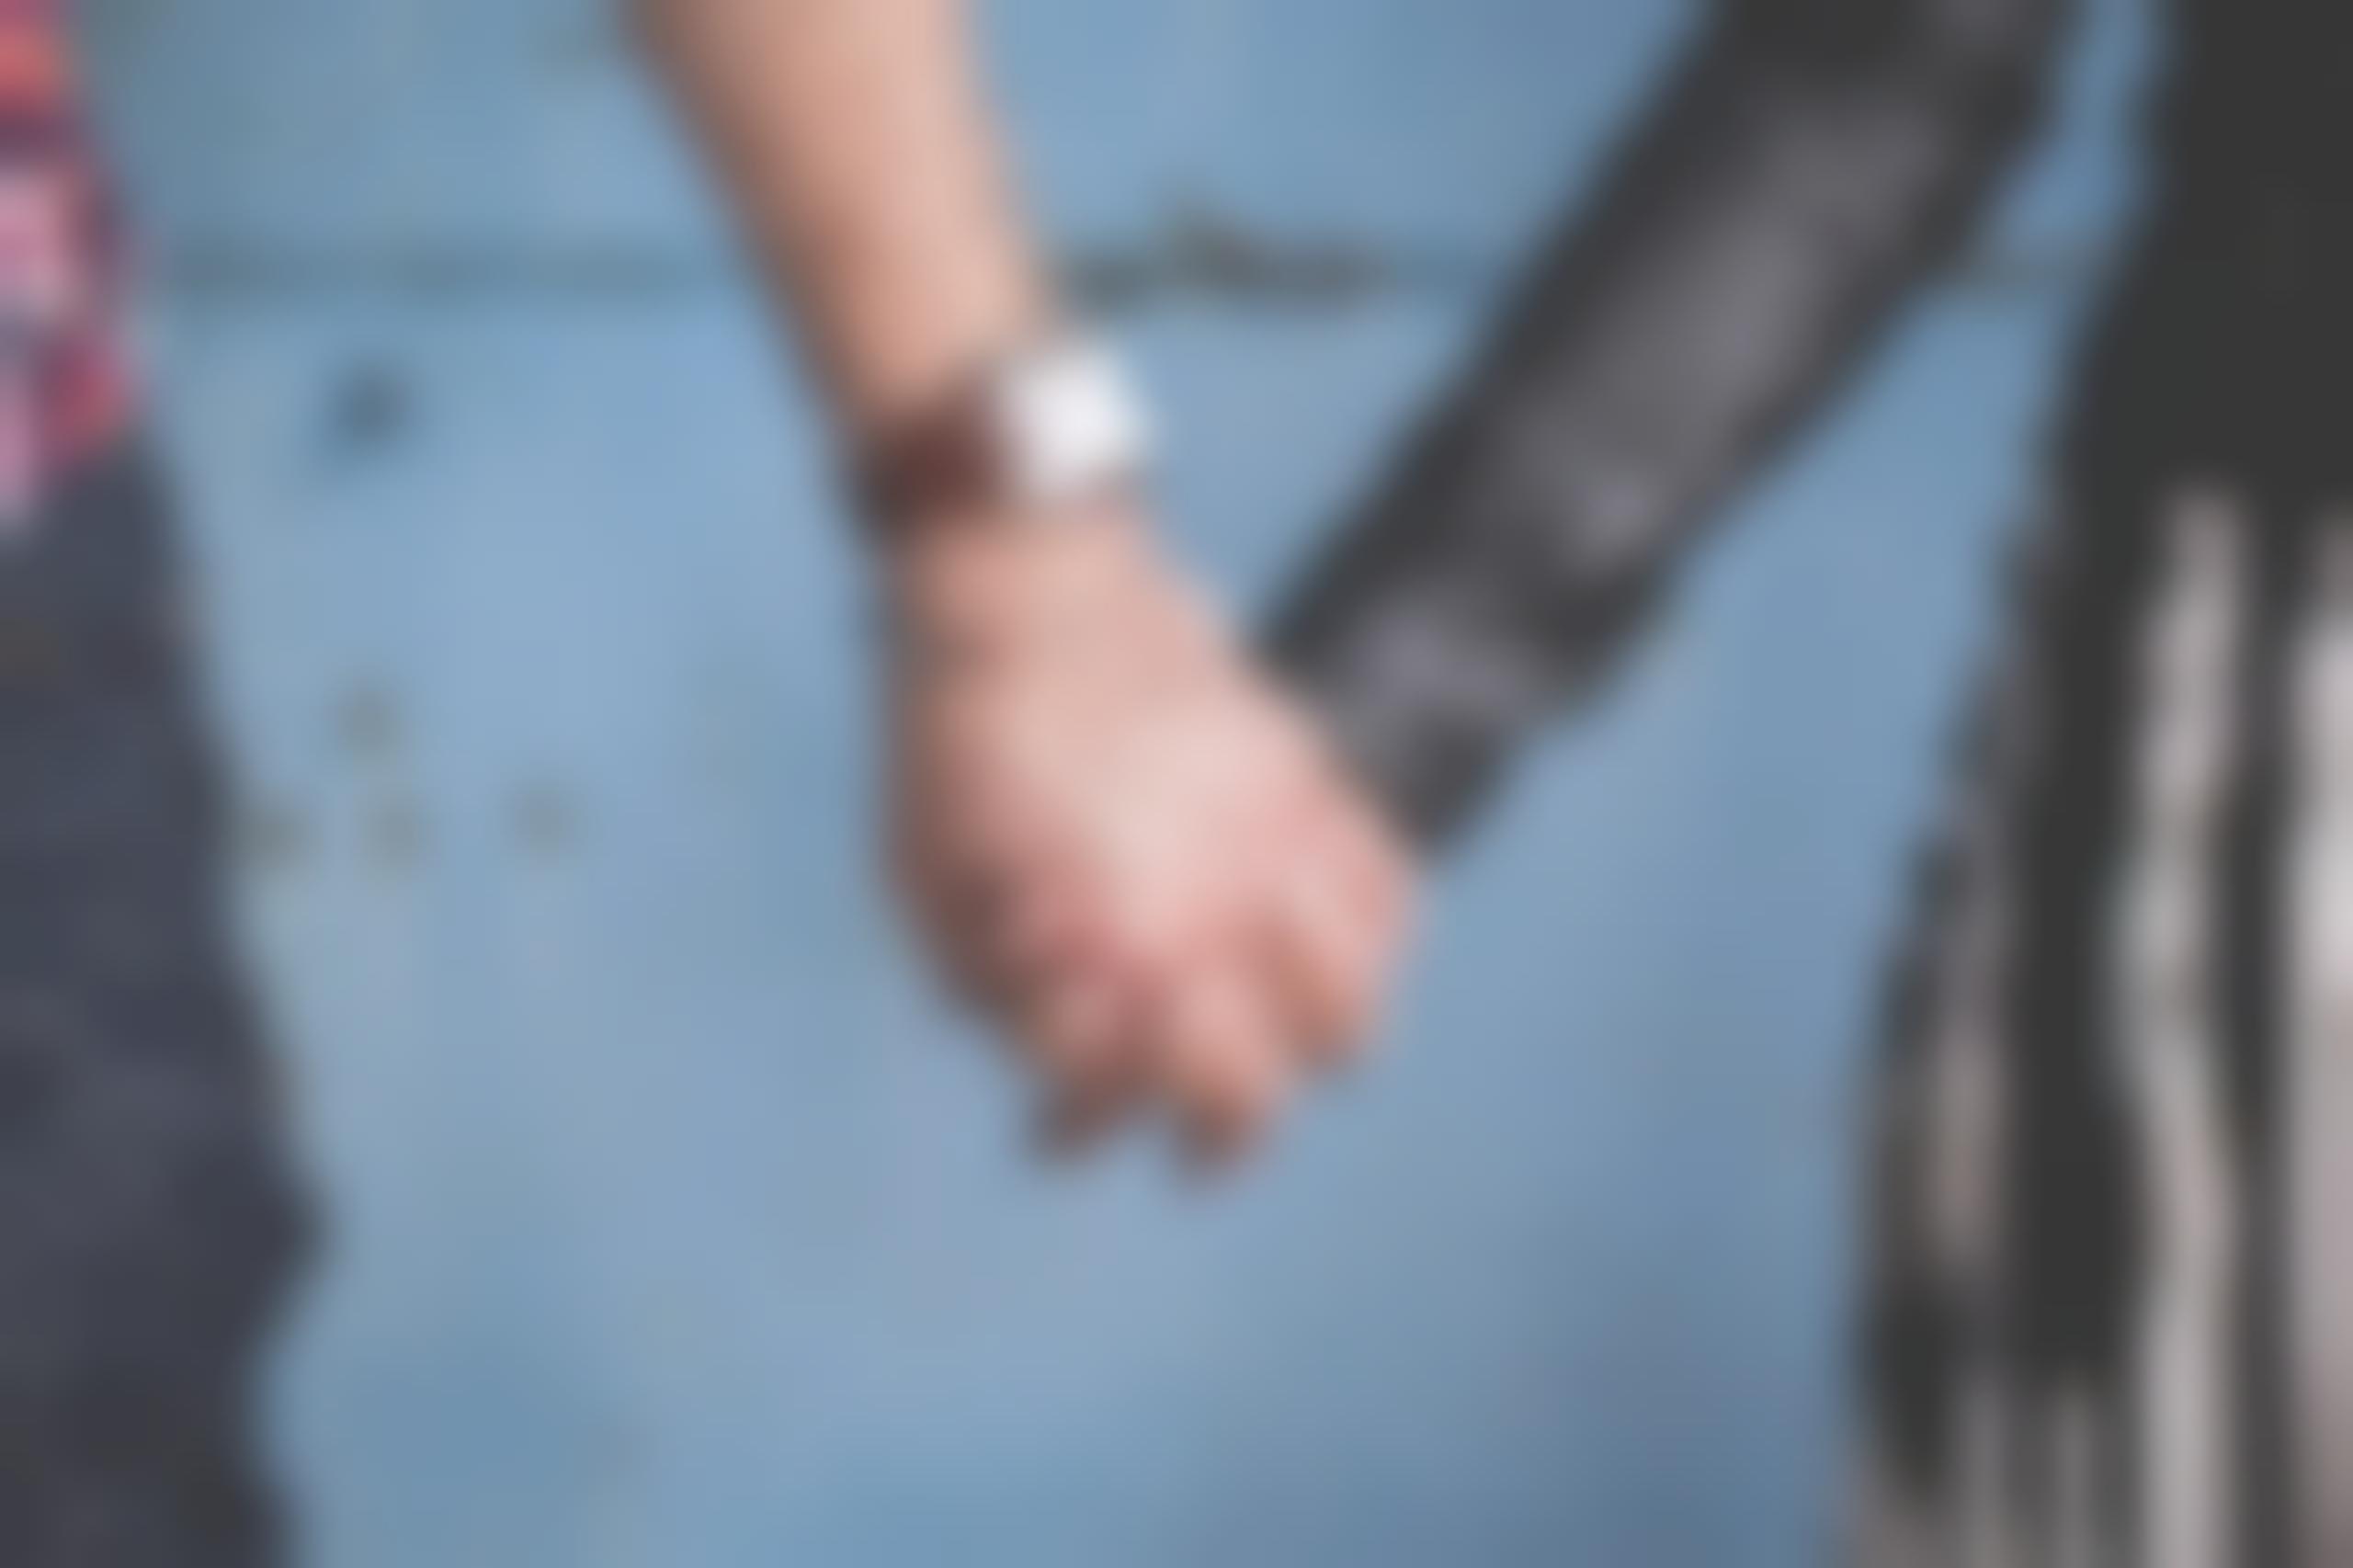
x: 945, y: 461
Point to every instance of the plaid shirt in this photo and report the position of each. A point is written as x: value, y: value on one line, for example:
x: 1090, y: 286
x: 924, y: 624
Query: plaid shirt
x: 64, y: 391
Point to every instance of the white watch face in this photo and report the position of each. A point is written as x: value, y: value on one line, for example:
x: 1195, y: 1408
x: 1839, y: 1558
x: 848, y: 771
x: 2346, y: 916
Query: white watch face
x: 1069, y: 424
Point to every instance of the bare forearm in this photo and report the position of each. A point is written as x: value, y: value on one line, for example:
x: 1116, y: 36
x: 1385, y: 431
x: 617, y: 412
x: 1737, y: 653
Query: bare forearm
x: 1194, y: 937
x: 857, y: 142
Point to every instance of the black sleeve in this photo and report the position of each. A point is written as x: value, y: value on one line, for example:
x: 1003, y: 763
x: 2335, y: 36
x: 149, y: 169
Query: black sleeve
x: 1809, y: 162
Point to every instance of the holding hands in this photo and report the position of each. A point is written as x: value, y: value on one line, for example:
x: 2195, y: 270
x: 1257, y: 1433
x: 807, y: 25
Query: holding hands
x: 1119, y: 840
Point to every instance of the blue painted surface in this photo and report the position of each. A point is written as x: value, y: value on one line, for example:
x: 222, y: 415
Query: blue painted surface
x: 672, y: 1224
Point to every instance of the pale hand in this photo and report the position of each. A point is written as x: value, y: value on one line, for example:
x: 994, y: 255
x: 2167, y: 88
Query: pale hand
x: 1120, y: 840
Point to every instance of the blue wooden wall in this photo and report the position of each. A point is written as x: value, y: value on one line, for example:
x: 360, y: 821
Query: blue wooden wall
x: 673, y: 1227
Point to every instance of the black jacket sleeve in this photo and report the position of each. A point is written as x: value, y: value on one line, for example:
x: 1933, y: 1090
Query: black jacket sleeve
x: 1809, y: 162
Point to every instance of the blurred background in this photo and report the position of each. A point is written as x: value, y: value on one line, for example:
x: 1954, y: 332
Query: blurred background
x: 672, y: 1221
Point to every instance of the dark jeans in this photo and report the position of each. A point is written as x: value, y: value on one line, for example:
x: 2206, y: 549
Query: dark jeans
x: 147, y: 1224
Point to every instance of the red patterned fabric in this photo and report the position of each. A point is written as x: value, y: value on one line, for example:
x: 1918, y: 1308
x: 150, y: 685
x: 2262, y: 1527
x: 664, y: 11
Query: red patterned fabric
x: 64, y: 391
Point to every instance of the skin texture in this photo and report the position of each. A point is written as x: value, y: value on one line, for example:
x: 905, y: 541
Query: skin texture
x: 1118, y: 840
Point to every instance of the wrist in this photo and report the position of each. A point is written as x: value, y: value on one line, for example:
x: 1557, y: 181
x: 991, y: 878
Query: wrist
x: 976, y: 569
x: 1049, y: 431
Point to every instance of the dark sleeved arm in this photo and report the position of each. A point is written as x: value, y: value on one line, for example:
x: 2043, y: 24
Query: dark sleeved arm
x: 1809, y: 162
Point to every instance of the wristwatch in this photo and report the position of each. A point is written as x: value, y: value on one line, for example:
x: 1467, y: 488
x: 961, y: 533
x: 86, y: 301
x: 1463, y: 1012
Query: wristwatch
x: 1033, y: 433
